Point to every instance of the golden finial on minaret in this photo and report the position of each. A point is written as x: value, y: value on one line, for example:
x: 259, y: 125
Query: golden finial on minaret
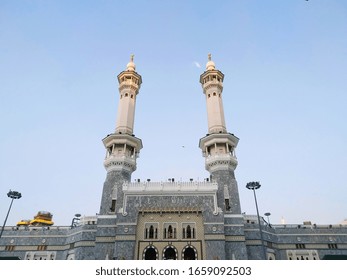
x: 131, y: 65
x: 210, y: 64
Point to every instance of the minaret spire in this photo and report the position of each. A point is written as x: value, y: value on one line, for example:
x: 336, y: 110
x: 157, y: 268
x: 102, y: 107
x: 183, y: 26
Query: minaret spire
x: 212, y: 84
x: 129, y: 86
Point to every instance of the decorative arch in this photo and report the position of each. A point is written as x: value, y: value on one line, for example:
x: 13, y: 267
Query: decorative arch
x: 189, y: 252
x: 170, y: 253
x: 271, y: 256
x: 150, y: 253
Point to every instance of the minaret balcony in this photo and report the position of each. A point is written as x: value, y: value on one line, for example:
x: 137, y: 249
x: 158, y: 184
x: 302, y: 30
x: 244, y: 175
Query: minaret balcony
x: 220, y: 162
x: 218, y: 138
x: 116, y: 163
x: 124, y: 139
x: 212, y: 84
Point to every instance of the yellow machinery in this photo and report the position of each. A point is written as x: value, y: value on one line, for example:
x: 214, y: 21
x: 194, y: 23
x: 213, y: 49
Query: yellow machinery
x: 43, y: 218
x: 23, y: 223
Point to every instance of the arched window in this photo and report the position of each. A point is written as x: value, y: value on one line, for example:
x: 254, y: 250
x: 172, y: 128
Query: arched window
x: 151, y: 232
x: 170, y: 232
x: 189, y: 232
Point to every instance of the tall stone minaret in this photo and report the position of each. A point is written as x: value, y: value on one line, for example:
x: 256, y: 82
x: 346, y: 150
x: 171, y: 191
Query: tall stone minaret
x: 122, y: 147
x: 218, y: 146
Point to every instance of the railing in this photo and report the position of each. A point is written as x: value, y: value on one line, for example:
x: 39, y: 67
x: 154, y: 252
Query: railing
x: 170, y: 186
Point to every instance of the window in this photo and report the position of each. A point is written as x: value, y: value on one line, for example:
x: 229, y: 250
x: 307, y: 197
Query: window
x: 113, y: 205
x: 227, y: 206
x: 300, y: 246
x: 332, y: 246
x: 170, y: 231
x: 188, y: 231
x: 42, y: 247
x: 9, y: 248
x: 151, y: 232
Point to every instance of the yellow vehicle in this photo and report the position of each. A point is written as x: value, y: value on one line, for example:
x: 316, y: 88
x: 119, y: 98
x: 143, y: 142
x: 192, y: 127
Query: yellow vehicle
x: 23, y: 223
x: 43, y: 218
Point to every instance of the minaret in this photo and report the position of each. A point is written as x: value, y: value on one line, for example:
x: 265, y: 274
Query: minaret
x: 129, y: 86
x: 122, y: 147
x: 218, y: 146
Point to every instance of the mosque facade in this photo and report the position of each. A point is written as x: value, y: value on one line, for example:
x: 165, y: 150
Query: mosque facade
x: 173, y: 220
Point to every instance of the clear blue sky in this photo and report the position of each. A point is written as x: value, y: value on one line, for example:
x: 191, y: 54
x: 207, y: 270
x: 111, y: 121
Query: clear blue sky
x: 284, y: 96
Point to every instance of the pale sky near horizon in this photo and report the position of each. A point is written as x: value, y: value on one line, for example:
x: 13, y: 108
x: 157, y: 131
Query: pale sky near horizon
x: 285, y: 97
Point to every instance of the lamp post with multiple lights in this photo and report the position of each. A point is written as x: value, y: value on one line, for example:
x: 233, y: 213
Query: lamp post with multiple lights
x: 254, y: 186
x: 13, y: 195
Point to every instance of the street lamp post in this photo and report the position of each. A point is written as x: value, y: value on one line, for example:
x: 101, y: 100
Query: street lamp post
x: 13, y: 195
x: 254, y: 186
x: 267, y: 214
x: 75, y: 220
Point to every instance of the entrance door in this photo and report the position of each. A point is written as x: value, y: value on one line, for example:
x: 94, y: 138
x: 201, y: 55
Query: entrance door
x: 189, y: 254
x: 170, y: 254
x: 150, y: 254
